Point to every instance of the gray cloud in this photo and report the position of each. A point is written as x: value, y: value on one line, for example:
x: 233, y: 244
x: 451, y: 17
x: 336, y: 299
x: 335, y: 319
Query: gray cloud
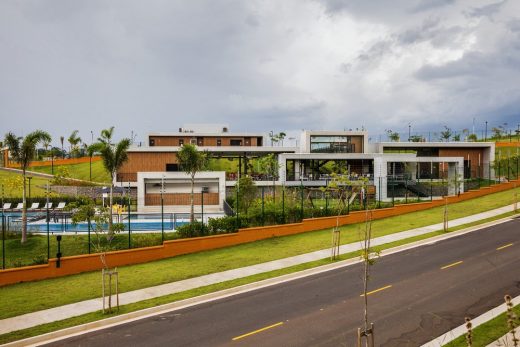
x: 431, y: 4
x: 487, y: 10
x: 255, y: 65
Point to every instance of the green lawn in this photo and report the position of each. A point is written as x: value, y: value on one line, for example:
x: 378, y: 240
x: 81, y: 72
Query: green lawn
x: 79, y: 171
x: 20, y: 298
x: 486, y: 333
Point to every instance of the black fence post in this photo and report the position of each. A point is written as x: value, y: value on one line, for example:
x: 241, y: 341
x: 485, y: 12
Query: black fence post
x: 129, y: 215
x: 3, y: 239
x: 88, y: 226
x: 393, y: 191
x: 301, y: 198
x: 263, y: 206
x: 326, y: 204
x: 283, y: 205
x: 58, y: 255
x: 379, y: 195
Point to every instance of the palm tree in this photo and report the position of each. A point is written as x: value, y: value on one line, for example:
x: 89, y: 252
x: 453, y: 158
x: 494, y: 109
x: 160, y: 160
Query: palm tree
x: 46, y: 145
x: 114, y: 156
x: 106, y: 135
x: 74, y: 141
x: 22, y: 151
x: 191, y: 161
x: 62, y: 138
x: 93, y: 148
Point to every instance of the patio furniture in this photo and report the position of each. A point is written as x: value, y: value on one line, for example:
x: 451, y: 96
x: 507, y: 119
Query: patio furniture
x: 48, y: 206
x: 61, y: 206
x: 7, y: 206
x: 19, y: 206
x: 35, y: 206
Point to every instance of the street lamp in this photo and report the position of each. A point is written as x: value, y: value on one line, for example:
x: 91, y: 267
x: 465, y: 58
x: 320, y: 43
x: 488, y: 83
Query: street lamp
x: 485, y: 139
x: 409, y: 131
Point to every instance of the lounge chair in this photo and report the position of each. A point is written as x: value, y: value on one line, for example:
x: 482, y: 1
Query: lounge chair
x: 34, y: 206
x: 19, y: 206
x: 7, y: 206
x: 61, y: 206
x: 47, y: 206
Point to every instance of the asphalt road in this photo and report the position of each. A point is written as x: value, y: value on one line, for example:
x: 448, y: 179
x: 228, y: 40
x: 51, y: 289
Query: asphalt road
x: 418, y: 295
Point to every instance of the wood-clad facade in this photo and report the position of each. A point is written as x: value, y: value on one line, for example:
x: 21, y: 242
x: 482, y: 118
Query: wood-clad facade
x: 204, y: 140
x: 146, y: 162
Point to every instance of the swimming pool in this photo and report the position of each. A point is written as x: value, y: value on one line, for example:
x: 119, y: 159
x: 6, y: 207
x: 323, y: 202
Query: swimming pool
x: 61, y: 222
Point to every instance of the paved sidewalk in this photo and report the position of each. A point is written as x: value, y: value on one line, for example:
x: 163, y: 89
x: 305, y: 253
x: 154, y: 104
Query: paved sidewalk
x: 506, y: 340
x: 67, y: 311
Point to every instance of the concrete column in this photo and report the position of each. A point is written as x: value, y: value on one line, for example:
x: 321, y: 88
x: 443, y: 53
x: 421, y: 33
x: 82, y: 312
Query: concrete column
x: 297, y: 170
x: 455, y: 177
x: 381, y: 172
x: 413, y: 170
x: 281, y: 169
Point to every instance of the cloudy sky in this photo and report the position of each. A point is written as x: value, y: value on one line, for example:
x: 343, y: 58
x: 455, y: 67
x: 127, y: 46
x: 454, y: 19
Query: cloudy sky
x: 261, y: 65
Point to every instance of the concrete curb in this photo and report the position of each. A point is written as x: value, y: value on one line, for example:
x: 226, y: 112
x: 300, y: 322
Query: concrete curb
x: 145, y: 313
x: 461, y: 329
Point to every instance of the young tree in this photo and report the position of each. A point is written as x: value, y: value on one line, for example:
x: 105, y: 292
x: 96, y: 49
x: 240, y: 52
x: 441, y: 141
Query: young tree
x: 246, y: 191
x: 280, y: 136
x: 446, y: 134
x: 269, y: 166
x: 74, y: 141
x: 416, y: 138
x: 498, y: 132
x: 368, y: 256
x: 22, y: 151
x: 191, y: 161
x: 113, y: 156
x: 472, y: 138
x: 276, y: 138
x: 392, y: 135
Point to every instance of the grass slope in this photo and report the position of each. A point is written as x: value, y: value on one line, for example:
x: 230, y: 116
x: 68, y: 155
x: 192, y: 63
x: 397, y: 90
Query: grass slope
x: 79, y: 171
x: 12, y: 183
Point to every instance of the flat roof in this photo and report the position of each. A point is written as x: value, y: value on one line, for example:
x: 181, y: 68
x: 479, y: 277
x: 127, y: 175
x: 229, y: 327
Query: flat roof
x: 336, y: 132
x: 205, y: 134
x: 216, y: 149
x: 334, y: 156
x: 436, y: 144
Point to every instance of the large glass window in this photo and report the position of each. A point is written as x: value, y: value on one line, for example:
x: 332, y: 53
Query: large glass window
x: 332, y: 144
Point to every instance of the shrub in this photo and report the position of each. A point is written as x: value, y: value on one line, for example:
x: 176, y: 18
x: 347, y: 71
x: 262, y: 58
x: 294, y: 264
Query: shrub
x: 39, y: 259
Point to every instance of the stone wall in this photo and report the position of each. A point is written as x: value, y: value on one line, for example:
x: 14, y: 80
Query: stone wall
x: 91, y: 192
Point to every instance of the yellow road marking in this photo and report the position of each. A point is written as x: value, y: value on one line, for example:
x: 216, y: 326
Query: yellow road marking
x: 447, y: 266
x: 377, y: 290
x: 505, y: 246
x: 257, y: 331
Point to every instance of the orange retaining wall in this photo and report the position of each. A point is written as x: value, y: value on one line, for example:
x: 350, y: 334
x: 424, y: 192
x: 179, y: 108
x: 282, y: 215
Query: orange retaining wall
x: 56, y: 162
x: 507, y: 144
x: 90, y: 262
